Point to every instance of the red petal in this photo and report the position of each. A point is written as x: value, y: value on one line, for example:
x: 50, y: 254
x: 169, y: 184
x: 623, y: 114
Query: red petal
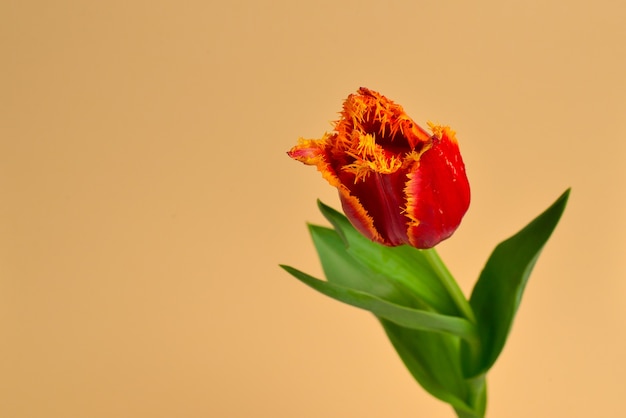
x: 358, y: 216
x: 382, y: 197
x: 438, y: 193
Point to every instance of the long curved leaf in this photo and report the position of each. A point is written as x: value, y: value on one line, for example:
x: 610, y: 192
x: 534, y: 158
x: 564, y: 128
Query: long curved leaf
x: 400, y: 315
x: 498, y: 292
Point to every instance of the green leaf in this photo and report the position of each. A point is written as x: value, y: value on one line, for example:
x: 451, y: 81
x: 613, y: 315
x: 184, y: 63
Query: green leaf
x: 404, y: 288
x: 341, y: 268
x: 400, y: 315
x: 433, y: 360
x: 428, y: 343
x: 408, y: 267
x: 498, y: 292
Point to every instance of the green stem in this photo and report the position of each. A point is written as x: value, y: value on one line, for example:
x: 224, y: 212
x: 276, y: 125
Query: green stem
x: 450, y: 284
x: 464, y: 414
x: 477, y: 398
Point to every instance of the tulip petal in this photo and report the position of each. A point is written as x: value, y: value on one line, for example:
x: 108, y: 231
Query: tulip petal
x: 358, y: 216
x: 438, y: 191
x: 319, y: 153
x: 382, y: 197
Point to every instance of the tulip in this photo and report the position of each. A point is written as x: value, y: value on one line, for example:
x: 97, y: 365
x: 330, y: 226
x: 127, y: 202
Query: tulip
x: 398, y: 184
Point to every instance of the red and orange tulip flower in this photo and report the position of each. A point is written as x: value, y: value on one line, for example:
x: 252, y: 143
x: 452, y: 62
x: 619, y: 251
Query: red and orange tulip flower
x: 398, y: 184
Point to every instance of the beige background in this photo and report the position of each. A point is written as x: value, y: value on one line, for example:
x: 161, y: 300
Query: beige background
x: 146, y: 200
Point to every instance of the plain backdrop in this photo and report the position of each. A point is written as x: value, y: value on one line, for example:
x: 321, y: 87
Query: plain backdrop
x: 146, y: 201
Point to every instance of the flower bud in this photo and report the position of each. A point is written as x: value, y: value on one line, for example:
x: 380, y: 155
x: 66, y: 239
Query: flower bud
x: 398, y: 184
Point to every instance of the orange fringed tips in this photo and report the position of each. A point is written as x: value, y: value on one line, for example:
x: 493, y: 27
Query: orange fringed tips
x: 398, y: 184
